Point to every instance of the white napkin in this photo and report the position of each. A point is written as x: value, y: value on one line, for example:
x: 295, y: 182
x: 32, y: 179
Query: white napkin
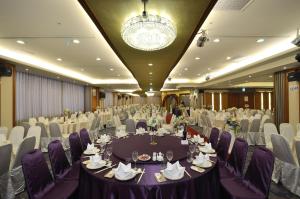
x: 121, y: 133
x: 208, y: 146
x: 104, y: 138
x: 90, y: 147
x: 123, y: 171
x: 95, y: 159
x: 174, y: 170
x: 200, y: 159
x: 198, y: 139
x: 140, y: 131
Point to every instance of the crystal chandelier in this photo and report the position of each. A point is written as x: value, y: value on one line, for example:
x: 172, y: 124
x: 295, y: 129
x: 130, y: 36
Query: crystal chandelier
x: 148, y: 32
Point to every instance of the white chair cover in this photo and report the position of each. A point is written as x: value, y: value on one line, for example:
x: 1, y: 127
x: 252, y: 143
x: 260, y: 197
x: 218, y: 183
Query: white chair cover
x: 254, y: 134
x: 269, y: 129
x: 130, y: 126
x: 287, y: 131
x: 16, y: 137
x: 35, y: 131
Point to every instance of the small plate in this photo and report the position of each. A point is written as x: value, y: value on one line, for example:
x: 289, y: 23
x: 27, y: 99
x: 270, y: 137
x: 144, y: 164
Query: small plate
x: 91, y: 152
x: 203, y: 165
x: 128, y: 177
x: 98, y: 166
x: 173, y: 178
x: 144, y: 157
x: 205, y: 150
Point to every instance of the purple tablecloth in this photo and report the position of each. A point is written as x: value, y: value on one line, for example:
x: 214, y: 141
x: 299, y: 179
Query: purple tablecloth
x: 200, y: 185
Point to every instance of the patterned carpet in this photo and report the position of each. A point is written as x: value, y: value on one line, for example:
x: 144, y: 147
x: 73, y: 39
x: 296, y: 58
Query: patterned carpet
x: 277, y: 191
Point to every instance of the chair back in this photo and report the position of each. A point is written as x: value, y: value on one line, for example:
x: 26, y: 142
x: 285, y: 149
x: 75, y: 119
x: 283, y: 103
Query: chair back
x: 5, y: 154
x: 37, y: 176
x: 26, y: 127
x: 75, y: 146
x: 16, y: 135
x: 244, y: 125
x: 282, y: 149
x: 287, y: 131
x: 255, y: 125
x: 141, y: 124
x: 54, y: 130
x: 44, y: 133
x: 35, y: 131
x: 26, y: 146
x: 297, y: 145
x: 269, y: 129
x: 213, y: 138
x: 3, y: 132
x: 237, y: 158
x: 58, y: 159
x: 130, y: 126
x: 85, y: 138
x: 223, y: 146
x: 259, y: 172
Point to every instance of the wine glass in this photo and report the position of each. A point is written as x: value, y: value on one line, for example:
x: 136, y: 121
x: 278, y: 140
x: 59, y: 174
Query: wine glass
x: 135, y: 155
x: 109, y: 152
x: 102, y: 144
x: 192, y: 148
x: 169, y: 155
x: 189, y: 157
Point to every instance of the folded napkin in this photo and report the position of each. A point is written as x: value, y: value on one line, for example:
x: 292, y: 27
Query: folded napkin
x: 121, y: 133
x: 123, y: 171
x: 90, y: 147
x: 95, y: 159
x: 198, y: 139
x: 208, y: 146
x: 174, y: 171
x: 104, y: 138
x: 140, y: 131
x: 200, y: 159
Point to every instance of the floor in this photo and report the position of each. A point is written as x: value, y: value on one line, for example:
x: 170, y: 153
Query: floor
x: 277, y: 191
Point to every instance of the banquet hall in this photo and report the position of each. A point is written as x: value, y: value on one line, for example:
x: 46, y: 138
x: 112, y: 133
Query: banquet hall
x: 149, y: 99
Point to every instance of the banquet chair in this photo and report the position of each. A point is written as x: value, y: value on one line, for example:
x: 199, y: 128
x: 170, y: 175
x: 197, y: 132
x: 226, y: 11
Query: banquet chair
x: 223, y: 147
x: 16, y: 137
x: 5, y: 185
x: 234, y: 167
x: 141, y: 124
x: 297, y: 144
x: 263, y: 121
x: 3, y: 132
x: 55, y: 131
x: 269, y: 129
x: 35, y: 131
x: 16, y: 171
x: 130, y: 126
x: 287, y: 131
x: 60, y: 165
x: 289, y: 171
x: 214, y: 137
x: 44, y: 133
x: 254, y: 134
x: 39, y: 182
x: 75, y: 147
x: 85, y: 138
x: 244, y: 127
x: 257, y: 180
x: 26, y: 127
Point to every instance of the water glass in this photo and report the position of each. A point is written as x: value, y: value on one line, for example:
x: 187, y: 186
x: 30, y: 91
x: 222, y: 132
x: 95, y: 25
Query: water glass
x: 135, y: 155
x: 169, y: 155
x: 192, y: 148
x: 189, y: 157
x: 109, y: 152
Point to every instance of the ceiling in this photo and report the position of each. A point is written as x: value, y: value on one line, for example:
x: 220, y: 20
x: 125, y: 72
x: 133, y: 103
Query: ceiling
x: 238, y: 25
x: 188, y: 16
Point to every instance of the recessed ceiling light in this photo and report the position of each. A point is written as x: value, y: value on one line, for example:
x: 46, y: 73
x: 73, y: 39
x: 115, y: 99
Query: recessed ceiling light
x: 198, y: 74
x: 87, y: 84
x: 246, y: 81
x: 260, y: 40
x: 57, y: 77
x: 285, y: 68
x: 185, y: 69
x: 82, y: 69
x: 118, y: 75
x: 216, y: 40
x: 150, y: 73
x: 270, y: 76
x: 150, y: 64
x: 228, y: 58
x: 249, y: 76
x: 27, y: 69
x: 111, y: 69
x: 208, y: 68
x: 150, y: 84
x: 76, y: 41
x: 20, y: 42
x: 197, y: 58
x: 59, y: 59
x: 98, y: 58
x: 151, y: 89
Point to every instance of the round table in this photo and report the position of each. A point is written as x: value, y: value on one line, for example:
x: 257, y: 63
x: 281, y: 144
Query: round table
x: 199, y: 185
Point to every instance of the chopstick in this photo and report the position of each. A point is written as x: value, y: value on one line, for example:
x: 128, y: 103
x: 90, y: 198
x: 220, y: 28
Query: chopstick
x: 141, y: 176
x: 105, y: 169
x: 188, y: 173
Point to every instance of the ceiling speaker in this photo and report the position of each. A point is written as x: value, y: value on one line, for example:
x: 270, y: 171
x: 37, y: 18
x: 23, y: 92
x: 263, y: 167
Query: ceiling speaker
x: 5, y: 70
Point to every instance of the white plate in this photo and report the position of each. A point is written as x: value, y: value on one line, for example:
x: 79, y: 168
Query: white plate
x: 173, y: 178
x: 204, y: 165
x: 205, y: 150
x: 128, y: 177
x: 91, y: 152
x: 99, y: 165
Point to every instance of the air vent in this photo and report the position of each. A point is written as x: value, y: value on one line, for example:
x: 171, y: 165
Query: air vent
x: 232, y: 4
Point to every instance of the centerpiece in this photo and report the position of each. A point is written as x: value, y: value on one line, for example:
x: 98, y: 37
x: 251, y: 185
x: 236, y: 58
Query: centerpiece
x: 233, y: 124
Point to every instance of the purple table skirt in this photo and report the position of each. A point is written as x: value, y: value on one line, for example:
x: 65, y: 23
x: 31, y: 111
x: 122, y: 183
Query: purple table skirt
x: 202, y: 185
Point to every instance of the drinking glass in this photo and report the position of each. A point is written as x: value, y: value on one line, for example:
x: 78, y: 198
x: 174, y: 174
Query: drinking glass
x: 135, y: 155
x: 192, y: 148
x: 169, y: 155
x: 189, y: 157
x: 102, y: 144
x: 109, y: 152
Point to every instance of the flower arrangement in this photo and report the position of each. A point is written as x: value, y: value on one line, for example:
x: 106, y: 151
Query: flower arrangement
x: 180, y: 120
x: 233, y: 124
x: 67, y: 112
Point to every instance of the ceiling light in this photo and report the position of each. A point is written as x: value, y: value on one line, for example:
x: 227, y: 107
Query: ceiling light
x: 150, y: 73
x: 111, y: 69
x: 59, y: 59
x: 260, y: 40
x: 228, y: 58
x: 148, y: 32
x: 208, y: 68
x: 270, y: 76
x: 249, y: 76
x: 284, y: 68
x: 216, y: 40
x: 149, y: 94
x: 27, y: 69
x: 197, y: 58
x: 76, y: 41
x: 246, y: 81
x: 150, y: 84
x: 186, y: 69
x: 98, y: 58
x: 20, y: 42
x: 118, y: 75
x: 198, y: 74
x: 57, y: 77
x: 82, y: 69
x: 150, y: 64
x: 151, y: 89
